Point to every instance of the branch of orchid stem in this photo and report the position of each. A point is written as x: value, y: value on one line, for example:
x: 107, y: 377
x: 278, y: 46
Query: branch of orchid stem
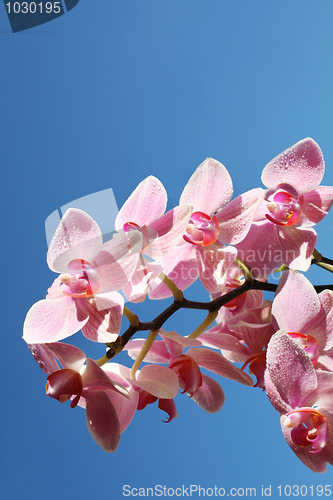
x: 142, y: 354
x: 321, y: 261
x: 204, y: 325
x: 215, y: 305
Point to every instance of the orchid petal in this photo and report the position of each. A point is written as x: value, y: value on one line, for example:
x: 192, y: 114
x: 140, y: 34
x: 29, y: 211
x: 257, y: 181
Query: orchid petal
x: 295, y: 288
x: 77, y: 237
x: 159, y: 381
x: 237, y: 216
x: 166, y: 232
x: 290, y: 370
x: 316, y: 204
x: 210, y: 396
x: 118, y: 259
x: 216, y: 363
x: 102, y: 420
x: 302, y: 166
x: 209, y: 188
x: 52, y: 320
x: 146, y: 204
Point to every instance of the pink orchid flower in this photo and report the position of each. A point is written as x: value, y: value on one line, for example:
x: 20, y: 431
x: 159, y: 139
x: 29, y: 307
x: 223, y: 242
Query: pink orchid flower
x: 204, y: 390
x: 311, y: 322
x: 282, y: 230
x: 304, y: 398
x: 84, y: 295
x: 155, y: 382
x: 144, y: 212
x: 243, y: 338
x: 109, y: 400
x: 202, y: 252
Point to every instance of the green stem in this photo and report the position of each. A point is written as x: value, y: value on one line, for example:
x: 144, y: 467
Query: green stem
x: 142, y: 354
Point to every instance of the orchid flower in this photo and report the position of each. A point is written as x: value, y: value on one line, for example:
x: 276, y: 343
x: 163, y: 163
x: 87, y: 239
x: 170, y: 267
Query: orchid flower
x: 311, y: 323
x: 304, y: 398
x: 243, y: 338
x: 202, y: 252
x: 282, y: 229
x: 84, y: 295
x: 204, y: 390
x: 110, y: 403
x: 144, y: 211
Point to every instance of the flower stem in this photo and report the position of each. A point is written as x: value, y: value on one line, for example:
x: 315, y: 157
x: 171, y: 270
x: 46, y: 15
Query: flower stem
x: 142, y: 354
x: 177, y: 294
x: 204, y: 325
x: 132, y: 318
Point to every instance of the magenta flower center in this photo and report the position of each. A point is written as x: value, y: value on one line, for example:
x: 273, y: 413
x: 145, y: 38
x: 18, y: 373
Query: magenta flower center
x: 202, y: 229
x: 284, y: 209
x: 84, y: 281
x: 309, y: 427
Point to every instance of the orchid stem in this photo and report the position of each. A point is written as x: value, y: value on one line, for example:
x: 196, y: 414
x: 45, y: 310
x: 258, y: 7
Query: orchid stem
x: 177, y: 294
x: 243, y: 267
x: 321, y: 261
x: 132, y: 318
x: 142, y: 354
x: 204, y: 325
x: 102, y: 360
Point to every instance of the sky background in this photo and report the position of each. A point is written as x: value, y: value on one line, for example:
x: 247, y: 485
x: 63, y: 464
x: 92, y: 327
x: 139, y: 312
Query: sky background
x: 102, y: 97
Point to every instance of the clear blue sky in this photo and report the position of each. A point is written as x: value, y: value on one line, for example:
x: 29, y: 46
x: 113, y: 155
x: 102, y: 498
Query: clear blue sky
x: 99, y: 98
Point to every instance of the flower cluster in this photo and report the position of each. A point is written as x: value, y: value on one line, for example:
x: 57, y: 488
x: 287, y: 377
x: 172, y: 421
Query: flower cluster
x: 233, y: 246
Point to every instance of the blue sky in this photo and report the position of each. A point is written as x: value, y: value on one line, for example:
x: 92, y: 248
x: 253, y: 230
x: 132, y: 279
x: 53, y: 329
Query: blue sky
x: 102, y: 97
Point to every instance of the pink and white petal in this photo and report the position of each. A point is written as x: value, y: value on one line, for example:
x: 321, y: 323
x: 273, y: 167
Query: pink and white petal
x: 294, y: 288
x: 209, y: 188
x: 53, y: 320
x: 213, y: 264
x: 210, y: 396
x: 166, y: 232
x: 146, y: 204
x: 44, y: 358
x: 105, y: 315
x: 326, y: 301
x: 302, y: 166
x: 94, y: 378
x: 179, y: 339
x: 158, y: 353
x: 261, y: 249
x: 160, y: 381
x: 236, y: 217
x: 68, y: 355
x: 216, y: 363
x: 102, y: 420
x: 125, y: 407
x: 298, y: 244
x: 137, y: 287
x: 118, y: 259
x: 230, y: 346
x: 316, y: 205
x: 181, y: 267
x: 78, y: 236
x: 291, y: 370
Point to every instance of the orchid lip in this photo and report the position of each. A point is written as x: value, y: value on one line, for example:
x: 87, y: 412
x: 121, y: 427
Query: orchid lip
x: 309, y: 427
x: 202, y: 229
x: 285, y: 208
x: 84, y: 282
